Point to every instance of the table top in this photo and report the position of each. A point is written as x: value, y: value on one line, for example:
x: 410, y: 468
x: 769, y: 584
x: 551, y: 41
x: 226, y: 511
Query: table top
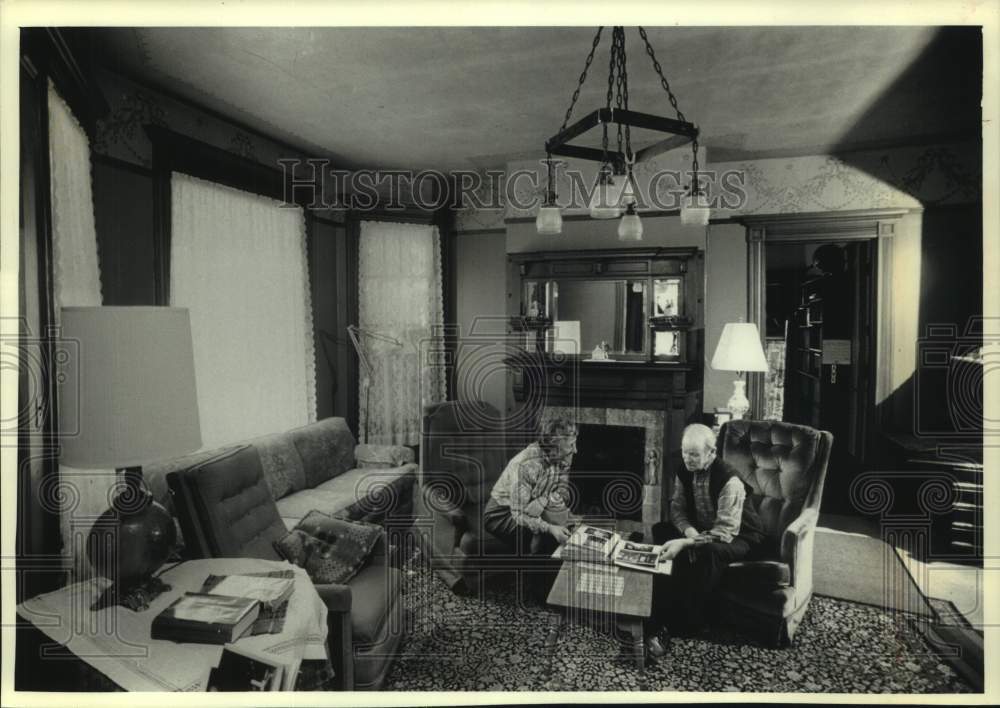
x: 116, y: 641
x: 603, y: 587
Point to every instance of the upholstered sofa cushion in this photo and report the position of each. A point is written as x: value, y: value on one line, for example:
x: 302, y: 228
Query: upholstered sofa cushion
x: 356, y: 493
x: 281, y: 464
x: 372, y: 589
x: 225, y: 507
x: 326, y: 449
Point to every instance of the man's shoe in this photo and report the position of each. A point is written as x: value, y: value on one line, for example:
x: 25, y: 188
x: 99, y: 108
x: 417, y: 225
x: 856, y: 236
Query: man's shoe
x: 655, y: 648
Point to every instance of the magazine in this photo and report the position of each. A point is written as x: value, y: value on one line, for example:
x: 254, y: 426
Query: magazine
x: 641, y: 556
x: 590, y: 543
x: 271, y: 592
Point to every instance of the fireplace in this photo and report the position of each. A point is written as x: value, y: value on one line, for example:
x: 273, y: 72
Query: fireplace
x: 608, y: 471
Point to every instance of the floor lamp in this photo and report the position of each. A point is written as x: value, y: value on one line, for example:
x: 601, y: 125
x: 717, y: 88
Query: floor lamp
x: 128, y: 397
x: 355, y: 333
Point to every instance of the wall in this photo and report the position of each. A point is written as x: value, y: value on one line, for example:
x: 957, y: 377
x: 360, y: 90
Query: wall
x: 725, y: 301
x: 480, y: 311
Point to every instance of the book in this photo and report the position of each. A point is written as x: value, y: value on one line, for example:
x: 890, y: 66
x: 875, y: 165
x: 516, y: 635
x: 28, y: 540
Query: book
x: 242, y: 669
x: 640, y: 556
x: 205, y: 619
x: 590, y: 543
x: 269, y: 591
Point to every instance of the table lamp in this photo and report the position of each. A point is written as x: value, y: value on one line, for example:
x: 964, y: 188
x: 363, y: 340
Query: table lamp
x: 739, y: 350
x: 128, y: 398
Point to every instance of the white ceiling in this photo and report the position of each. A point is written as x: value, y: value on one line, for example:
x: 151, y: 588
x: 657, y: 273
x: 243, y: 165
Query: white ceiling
x: 450, y: 98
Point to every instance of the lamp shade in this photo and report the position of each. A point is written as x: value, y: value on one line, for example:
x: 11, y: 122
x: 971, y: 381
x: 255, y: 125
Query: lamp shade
x: 128, y: 395
x: 739, y: 349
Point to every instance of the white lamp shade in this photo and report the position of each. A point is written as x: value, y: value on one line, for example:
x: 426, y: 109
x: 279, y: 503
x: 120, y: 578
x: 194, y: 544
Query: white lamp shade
x: 739, y: 349
x: 549, y: 220
x: 606, y: 201
x: 128, y: 395
x: 630, y: 228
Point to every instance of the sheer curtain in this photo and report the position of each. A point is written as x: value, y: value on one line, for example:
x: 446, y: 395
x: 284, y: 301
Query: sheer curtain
x: 399, y: 278
x: 238, y: 262
x: 82, y: 494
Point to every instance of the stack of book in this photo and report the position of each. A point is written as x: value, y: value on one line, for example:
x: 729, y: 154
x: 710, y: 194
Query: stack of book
x: 223, y: 613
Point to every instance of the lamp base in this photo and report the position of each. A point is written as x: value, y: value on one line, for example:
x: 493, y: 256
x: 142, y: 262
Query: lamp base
x: 739, y: 404
x: 136, y: 598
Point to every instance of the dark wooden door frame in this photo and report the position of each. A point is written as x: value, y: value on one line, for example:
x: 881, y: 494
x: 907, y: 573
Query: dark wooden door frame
x: 876, y: 225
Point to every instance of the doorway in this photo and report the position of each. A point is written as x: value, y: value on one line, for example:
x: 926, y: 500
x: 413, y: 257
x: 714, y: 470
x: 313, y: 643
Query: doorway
x: 819, y: 307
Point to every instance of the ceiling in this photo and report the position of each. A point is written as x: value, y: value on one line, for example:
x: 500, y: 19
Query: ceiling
x: 458, y: 98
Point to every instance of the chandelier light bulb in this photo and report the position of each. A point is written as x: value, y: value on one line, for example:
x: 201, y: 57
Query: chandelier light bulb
x: 695, y: 210
x: 605, y: 202
x: 630, y: 227
x: 549, y: 220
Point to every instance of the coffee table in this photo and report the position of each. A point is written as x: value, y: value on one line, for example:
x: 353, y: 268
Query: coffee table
x: 616, y: 597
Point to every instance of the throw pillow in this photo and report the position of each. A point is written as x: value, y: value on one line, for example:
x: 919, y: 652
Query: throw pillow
x: 331, y: 550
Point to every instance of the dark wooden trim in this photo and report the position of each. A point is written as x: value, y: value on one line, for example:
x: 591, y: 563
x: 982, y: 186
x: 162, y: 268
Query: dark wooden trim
x: 119, y: 164
x: 162, y: 225
x: 60, y: 54
x: 350, y: 273
x: 877, y: 225
x: 480, y: 232
x: 445, y: 221
x: 587, y: 217
x: 174, y: 152
x: 399, y: 216
x: 310, y: 214
x: 601, y: 253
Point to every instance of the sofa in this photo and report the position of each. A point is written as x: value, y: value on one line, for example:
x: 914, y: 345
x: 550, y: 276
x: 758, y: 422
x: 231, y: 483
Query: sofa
x: 237, y: 501
x: 785, y: 467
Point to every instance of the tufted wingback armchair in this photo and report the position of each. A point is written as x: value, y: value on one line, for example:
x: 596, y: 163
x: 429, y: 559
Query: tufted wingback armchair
x: 784, y: 465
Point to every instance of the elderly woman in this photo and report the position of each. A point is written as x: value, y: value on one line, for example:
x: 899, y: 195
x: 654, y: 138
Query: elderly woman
x: 527, y: 507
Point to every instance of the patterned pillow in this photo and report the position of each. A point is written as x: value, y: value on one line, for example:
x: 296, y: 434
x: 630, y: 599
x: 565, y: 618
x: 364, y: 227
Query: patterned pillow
x: 331, y: 550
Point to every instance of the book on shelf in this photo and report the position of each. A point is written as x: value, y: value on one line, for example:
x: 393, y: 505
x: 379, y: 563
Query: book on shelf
x: 641, y: 556
x: 205, y: 619
x: 590, y: 543
x: 269, y: 591
x: 243, y: 669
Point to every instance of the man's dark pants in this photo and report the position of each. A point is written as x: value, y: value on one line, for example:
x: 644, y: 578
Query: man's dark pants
x: 680, y: 600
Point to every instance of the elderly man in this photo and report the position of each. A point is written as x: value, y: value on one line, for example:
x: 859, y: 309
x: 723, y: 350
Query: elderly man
x: 710, y: 527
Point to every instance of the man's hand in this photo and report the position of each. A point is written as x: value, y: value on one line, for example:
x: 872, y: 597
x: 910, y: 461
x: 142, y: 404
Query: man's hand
x: 704, y: 538
x: 691, y: 532
x: 559, y: 533
x: 672, y: 548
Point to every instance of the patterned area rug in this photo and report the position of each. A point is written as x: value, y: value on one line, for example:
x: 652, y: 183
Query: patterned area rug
x: 497, y: 643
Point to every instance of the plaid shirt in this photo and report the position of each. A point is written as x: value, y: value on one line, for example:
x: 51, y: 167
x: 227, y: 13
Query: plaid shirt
x: 530, y: 485
x: 719, y: 517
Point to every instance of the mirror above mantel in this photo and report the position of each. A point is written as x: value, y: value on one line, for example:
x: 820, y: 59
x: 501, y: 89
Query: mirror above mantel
x: 603, y: 306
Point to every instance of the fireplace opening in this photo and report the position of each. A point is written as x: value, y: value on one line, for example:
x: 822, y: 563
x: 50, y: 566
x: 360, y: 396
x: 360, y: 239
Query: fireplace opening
x: 608, y: 471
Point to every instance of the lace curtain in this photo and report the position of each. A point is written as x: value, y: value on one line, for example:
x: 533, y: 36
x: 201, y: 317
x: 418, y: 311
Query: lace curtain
x: 238, y: 262
x: 83, y: 493
x: 399, y: 278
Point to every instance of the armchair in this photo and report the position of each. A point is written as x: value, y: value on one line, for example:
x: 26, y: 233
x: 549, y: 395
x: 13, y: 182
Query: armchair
x: 785, y: 466
x: 226, y: 509
x: 463, y: 452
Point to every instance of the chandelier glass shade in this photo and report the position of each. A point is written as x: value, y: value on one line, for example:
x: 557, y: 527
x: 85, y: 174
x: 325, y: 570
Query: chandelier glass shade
x: 614, y: 190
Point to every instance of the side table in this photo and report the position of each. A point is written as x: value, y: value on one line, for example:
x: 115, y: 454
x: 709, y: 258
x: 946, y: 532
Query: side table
x: 116, y: 641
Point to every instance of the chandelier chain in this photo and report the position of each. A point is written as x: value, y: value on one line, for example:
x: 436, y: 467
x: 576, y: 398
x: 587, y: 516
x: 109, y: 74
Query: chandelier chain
x: 583, y: 78
x: 673, y: 102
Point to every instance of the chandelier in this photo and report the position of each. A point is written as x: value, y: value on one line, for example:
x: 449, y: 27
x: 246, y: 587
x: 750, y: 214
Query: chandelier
x: 615, y: 189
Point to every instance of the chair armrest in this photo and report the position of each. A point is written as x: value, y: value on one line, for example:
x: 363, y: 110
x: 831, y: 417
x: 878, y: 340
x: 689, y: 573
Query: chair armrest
x: 797, y: 548
x: 335, y: 596
x: 368, y: 455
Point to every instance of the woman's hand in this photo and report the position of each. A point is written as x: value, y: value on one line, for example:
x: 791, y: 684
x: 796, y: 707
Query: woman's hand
x: 559, y: 533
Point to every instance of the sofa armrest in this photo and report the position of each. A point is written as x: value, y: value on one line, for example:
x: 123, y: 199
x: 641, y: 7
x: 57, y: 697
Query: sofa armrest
x: 382, y: 456
x: 340, y: 635
x: 797, y: 549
